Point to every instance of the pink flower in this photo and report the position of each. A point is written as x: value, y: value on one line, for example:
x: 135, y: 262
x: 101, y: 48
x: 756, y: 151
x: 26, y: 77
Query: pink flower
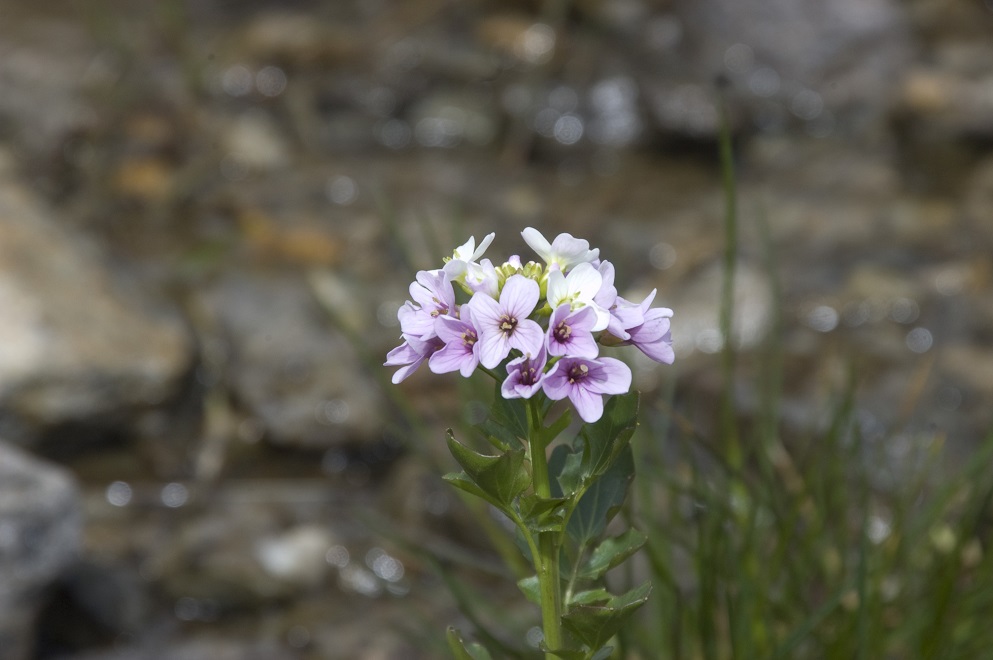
x: 461, y: 351
x: 434, y: 296
x: 410, y: 354
x: 524, y: 376
x: 585, y: 382
x: 652, y: 336
x: 504, y: 325
x: 570, y: 333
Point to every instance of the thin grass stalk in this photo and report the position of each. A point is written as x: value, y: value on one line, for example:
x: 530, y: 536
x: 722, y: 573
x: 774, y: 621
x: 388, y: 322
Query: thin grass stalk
x: 729, y: 429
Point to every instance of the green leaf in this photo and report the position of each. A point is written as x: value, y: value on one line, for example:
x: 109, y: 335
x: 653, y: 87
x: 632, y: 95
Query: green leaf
x: 603, y: 653
x: 611, y: 553
x: 594, y: 625
x: 531, y: 589
x: 565, y: 464
x: 607, y: 437
x: 460, y: 651
x: 592, y: 597
x: 565, y: 654
x: 501, y: 478
x: 602, y: 499
x: 462, y: 481
x: 507, y: 421
x: 542, y: 514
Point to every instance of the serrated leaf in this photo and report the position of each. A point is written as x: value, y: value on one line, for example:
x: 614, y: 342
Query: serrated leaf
x: 602, y: 499
x: 594, y: 625
x: 502, y: 478
x: 531, y: 589
x: 460, y: 651
x: 611, y: 552
x: 590, y: 597
x: 507, y: 420
x: 607, y: 437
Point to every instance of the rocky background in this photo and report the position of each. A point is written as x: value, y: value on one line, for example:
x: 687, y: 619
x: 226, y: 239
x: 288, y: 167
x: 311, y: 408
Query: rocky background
x: 210, y: 211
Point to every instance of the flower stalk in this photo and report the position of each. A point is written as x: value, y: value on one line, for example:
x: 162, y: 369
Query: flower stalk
x: 547, y: 562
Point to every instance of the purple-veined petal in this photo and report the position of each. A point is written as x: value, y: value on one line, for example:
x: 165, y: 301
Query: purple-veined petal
x: 524, y: 376
x: 484, y: 310
x: 493, y: 348
x: 609, y: 376
x: 409, y: 356
x: 579, y: 341
x: 556, y: 382
x: 519, y: 296
x: 414, y: 321
x: 588, y: 404
x: 460, y: 352
x: 654, y: 337
x: 528, y: 337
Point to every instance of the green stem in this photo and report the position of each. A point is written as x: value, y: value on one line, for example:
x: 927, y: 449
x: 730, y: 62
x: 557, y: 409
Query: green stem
x: 728, y: 426
x: 547, y: 561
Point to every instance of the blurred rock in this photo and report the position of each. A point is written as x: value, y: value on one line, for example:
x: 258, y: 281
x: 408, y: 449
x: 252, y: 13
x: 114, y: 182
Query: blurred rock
x: 290, y: 368
x: 40, y: 532
x: 233, y: 558
x: 209, y: 566
x: 297, y: 556
x: 78, y: 346
x: 450, y: 118
x: 206, y: 646
x: 252, y: 140
x: 298, y: 39
x: 92, y: 605
x: 819, y: 65
x: 45, y: 69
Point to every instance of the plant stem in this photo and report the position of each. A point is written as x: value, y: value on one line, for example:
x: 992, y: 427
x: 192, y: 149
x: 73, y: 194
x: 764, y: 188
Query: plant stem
x: 547, y: 561
x: 728, y: 427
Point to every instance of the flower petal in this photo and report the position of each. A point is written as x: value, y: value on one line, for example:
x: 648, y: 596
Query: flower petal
x: 483, y: 244
x: 609, y: 376
x: 493, y: 348
x: 519, y: 296
x: 584, y: 281
x: 588, y: 404
x: 528, y: 337
x: 484, y: 311
x: 556, y: 382
x: 557, y: 291
x: 538, y: 243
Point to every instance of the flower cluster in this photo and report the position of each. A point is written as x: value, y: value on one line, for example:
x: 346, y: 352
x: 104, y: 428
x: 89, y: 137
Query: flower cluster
x: 544, y: 323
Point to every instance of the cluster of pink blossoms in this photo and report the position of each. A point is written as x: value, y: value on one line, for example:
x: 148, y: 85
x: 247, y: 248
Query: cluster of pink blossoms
x: 543, y: 322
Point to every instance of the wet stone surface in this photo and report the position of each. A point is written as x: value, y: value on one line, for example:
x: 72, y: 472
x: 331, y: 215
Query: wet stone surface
x: 40, y: 532
x: 210, y: 214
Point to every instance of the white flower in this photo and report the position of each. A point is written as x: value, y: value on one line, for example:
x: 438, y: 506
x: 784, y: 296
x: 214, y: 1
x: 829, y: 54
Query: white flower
x: 578, y: 289
x: 482, y: 277
x: 466, y: 254
x: 565, y: 251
